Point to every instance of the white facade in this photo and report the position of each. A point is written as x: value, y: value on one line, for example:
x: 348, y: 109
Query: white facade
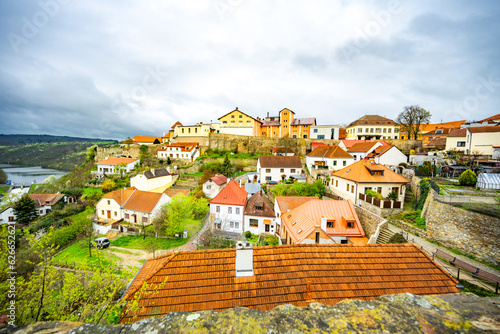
x: 363, y: 132
x: 274, y: 174
x: 104, y: 168
x: 455, y: 143
x: 325, y: 132
x: 348, y: 189
x: 331, y: 163
x: 228, y: 217
x: 393, y: 156
x: 240, y: 131
x: 481, y: 142
x: 7, y: 216
x: 178, y: 153
x: 211, y: 189
x: 259, y: 224
x: 141, y: 182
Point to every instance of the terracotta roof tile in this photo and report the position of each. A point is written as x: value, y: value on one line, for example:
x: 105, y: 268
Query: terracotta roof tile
x: 457, y: 133
x: 288, y: 203
x: 200, y: 280
x: 133, y: 199
x: 45, y: 199
x: 482, y: 129
x: 146, y: 139
x: 231, y: 194
x: 304, y: 121
x: 267, y: 161
x: 491, y: 119
x: 330, y: 152
x: 219, y: 179
x: 261, y: 201
x: 174, y: 192
x: 362, y: 147
x: 116, y: 161
x: 372, y: 120
x: 360, y: 172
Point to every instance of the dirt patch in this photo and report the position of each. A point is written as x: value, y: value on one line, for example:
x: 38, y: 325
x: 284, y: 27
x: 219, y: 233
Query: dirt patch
x: 129, y: 257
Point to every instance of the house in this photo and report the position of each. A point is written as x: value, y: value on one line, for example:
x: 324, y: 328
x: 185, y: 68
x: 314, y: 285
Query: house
x: 440, y: 133
x: 490, y: 121
x: 227, y: 208
x: 259, y: 215
x: 130, y: 205
x: 237, y: 122
x: 283, y: 152
x: 188, y: 131
x: 44, y: 202
x: 431, y: 127
x: 361, y: 150
x: 116, y: 165
x: 147, y: 140
x: 455, y: 141
x: 284, y: 204
x: 437, y: 144
x: 155, y: 178
x: 286, y: 125
x: 322, y: 222
x: 263, y: 278
x: 481, y: 139
x: 388, y: 155
x: 328, y: 157
x: 365, y: 175
x: 214, y: 185
x: 371, y: 127
x: 325, y: 132
x: 179, y: 151
x: 7, y: 216
x: 275, y: 168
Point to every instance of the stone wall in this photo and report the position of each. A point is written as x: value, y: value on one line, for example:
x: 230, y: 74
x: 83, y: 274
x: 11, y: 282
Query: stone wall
x: 468, y: 232
x: 368, y: 220
x: 134, y: 151
x: 405, y: 145
x: 402, y: 313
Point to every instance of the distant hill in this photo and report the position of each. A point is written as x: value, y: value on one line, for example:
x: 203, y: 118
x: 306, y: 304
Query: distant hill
x: 9, y: 140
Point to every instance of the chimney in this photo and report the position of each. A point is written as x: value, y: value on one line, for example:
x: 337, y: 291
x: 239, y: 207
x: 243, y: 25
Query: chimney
x: 236, y: 108
x: 323, y: 223
x: 244, y: 259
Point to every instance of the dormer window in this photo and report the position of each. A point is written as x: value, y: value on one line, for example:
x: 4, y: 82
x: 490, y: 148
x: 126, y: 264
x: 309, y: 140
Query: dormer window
x: 330, y: 224
x: 258, y: 207
x: 350, y: 224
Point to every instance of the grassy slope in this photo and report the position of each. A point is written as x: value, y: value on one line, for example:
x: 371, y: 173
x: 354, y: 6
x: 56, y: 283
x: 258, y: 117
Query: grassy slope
x: 137, y: 242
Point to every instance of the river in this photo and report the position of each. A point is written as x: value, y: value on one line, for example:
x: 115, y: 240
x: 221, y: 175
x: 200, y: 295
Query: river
x: 22, y: 174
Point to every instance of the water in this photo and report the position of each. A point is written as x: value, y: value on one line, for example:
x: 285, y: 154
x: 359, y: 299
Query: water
x: 27, y: 175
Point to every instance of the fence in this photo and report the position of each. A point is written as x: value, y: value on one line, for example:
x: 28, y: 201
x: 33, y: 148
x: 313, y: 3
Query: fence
x: 381, y: 203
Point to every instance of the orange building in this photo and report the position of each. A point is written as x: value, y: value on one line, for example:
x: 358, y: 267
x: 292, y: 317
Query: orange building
x: 286, y: 125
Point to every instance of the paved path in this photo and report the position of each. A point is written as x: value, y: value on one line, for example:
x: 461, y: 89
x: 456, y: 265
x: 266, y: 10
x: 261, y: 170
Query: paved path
x: 430, y: 248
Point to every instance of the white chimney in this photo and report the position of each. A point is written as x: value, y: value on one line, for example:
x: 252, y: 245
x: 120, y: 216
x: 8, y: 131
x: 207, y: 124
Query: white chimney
x: 377, y: 159
x: 244, y: 259
x: 323, y: 224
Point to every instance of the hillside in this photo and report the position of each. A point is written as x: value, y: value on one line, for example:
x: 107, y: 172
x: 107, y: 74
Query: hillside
x: 9, y: 140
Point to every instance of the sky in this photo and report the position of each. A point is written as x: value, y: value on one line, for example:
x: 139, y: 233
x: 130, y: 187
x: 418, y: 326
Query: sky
x: 113, y: 69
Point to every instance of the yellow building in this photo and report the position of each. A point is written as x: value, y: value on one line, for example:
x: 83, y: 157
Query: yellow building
x: 372, y: 127
x: 237, y: 122
x: 198, y: 130
x: 286, y: 125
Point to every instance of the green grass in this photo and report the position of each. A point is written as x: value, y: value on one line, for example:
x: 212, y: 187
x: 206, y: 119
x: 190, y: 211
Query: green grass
x: 194, y: 174
x: 138, y: 242
x: 79, y: 253
x: 91, y: 190
x: 469, y: 287
x: 412, y: 217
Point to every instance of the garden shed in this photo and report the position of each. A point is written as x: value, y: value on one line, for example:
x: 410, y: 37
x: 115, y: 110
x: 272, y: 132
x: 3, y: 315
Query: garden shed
x: 488, y: 181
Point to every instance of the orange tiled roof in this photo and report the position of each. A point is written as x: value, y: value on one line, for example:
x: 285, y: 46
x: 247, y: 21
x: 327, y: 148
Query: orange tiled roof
x: 231, y: 194
x: 359, y: 172
x: 372, y: 120
x: 116, y: 161
x: 379, y: 151
x: 457, y: 133
x: 483, y: 129
x: 330, y: 152
x: 362, y: 147
x: 288, y: 203
x: 291, y: 274
x: 185, y: 147
x: 133, y: 199
x: 219, y: 179
x: 437, y: 143
x: 305, y: 217
x: 146, y: 139
x: 45, y: 199
x: 491, y: 119
x: 430, y: 127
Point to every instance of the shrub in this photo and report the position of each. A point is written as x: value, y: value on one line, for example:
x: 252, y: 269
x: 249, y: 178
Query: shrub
x: 248, y: 234
x: 467, y: 178
x: 404, y: 164
x: 392, y: 196
x: 108, y: 186
x: 397, y: 239
x: 374, y: 194
x: 424, y: 191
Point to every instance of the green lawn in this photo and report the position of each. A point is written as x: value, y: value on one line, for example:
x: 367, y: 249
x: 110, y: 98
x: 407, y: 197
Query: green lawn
x: 79, y: 253
x: 138, y: 242
x: 194, y: 174
x: 90, y: 190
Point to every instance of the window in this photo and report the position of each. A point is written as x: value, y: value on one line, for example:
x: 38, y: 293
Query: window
x: 232, y: 122
x: 379, y: 190
x: 460, y: 144
x: 347, y: 188
x: 236, y: 225
x: 109, y: 202
x: 232, y: 116
x: 344, y: 163
x: 229, y: 210
x: 360, y: 130
x: 321, y: 136
x: 254, y: 222
x: 350, y: 224
x: 305, y: 136
x: 389, y: 130
x: 12, y: 218
x: 195, y: 130
x: 294, y: 136
x: 268, y: 170
x: 102, y: 212
x: 371, y: 130
x: 344, y: 241
x: 315, y: 131
x: 189, y: 130
x: 237, y: 211
x: 329, y: 224
x: 378, y: 130
x: 116, y: 213
x: 337, y: 183
x: 258, y: 207
x: 335, y: 162
x: 225, y: 122
x: 208, y: 187
x: 430, y: 138
x: 231, y: 224
x: 218, y: 226
x: 182, y: 130
x: 317, y: 237
x: 292, y: 170
x: 241, y: 116
x: 127, y: 216
x: 144, y: 219
x: 352, y: 188
x: 268, y: 178
x: 282, y: 170
x: 240, y: 122
x: 217, y: 208
x: 396, y: 130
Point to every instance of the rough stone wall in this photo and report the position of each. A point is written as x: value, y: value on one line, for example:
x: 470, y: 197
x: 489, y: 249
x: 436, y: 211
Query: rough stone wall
x: 403, y: 313
x: 117, y: 152
x: 468, y: 232
x: 405, y: 145
x: 368, y: 220
x: 380, y: 211
x: 413, y: 184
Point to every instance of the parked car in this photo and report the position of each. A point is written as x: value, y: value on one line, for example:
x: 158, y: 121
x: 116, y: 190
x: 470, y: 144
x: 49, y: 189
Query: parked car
x: 100, y: 242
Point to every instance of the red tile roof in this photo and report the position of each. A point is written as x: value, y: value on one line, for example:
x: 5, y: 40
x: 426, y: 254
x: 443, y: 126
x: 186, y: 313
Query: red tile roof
x: 317, y: 144
x: 362, y: 147
x: 291, y: 274
x: 330, y: 152
x: 269, y: 161
x: 231, y: 194
x: 133, y: 199
x: 379, y: 151
x: 185, y: 147
x: 116, y: 161
x: 483, y: 129
x: 359, y: 172
x: 308, y: 215
x: 45, y: 199
x: 372, y: 120
x: 437, y: 143
x: 219, y: 179
x: 457, y: 133
x: 288, y: 203
x: 262, y: 202
x: 304, y: 121
x: 491, y: 119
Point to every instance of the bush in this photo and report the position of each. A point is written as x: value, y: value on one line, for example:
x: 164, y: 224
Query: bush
x: 392, y: 196
x: 424, y: 191
x: 374, y: 194
x: 397, y: 239
x: 467, y: 178
x: 108, y: 186
x: 300, y: 189
x: 248, y: 234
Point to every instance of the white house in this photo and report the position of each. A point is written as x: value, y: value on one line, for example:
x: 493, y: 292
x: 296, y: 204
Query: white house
x: 45, y: 202
x: 179, y: 151
x: 482, y: 139
x: 7, y: 216
x: 388, y: 155
x: 325, y: 132
x: 275, y: 168
x: 214, y: 185
x: 114, y: 165
x: 357, y: 178
x: 455, y: 141
x: 152, y: 179
x: 259, y: 215
x: 328, y: 157
x: 372, y: 127
x: 361, y: 150
x: 130, y: 205
x: 227, y: 208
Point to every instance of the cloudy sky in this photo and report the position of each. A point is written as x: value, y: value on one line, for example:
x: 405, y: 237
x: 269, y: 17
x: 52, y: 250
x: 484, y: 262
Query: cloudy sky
x: 114, y: 69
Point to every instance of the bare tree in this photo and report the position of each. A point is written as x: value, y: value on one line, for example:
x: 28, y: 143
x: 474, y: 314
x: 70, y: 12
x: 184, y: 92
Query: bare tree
x: 411, y: 118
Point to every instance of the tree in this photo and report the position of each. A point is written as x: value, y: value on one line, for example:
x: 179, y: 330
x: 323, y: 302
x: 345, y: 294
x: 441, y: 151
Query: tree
x: 467, y: 178
x: 25, y: 210
x: 288, y: 144
x: 227, y: 167
x: 120, y: 168
x: 169, y: 161
x: 107, y: 186
x: 3, y: 176
x: 411, y: 118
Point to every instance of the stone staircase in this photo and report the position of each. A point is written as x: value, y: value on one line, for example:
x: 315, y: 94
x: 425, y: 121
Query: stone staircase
x: 384, y: 236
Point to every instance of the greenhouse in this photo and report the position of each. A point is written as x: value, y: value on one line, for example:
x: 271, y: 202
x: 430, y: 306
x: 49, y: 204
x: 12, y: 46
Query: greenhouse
x: 488, y: 181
